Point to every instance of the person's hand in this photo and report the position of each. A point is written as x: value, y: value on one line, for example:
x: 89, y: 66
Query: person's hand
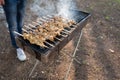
x: 2, y: 2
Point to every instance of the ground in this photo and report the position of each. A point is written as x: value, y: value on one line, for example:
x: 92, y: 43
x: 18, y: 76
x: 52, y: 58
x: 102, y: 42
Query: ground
x: 98, y: 52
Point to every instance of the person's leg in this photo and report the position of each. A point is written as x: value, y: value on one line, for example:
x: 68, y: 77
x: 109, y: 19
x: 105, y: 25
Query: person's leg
x: 10, y: 9
x: 20, y: 14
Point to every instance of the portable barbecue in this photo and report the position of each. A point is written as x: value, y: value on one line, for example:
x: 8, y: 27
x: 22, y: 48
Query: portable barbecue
x: 59, y: 41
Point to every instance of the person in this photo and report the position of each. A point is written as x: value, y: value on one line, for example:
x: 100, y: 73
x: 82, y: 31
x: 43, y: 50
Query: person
x: 14, y: 12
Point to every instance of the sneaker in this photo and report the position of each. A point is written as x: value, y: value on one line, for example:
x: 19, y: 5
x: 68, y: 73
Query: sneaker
x: 20, y: 54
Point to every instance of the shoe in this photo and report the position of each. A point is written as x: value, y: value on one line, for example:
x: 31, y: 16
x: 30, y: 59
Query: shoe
x: 20, y: 54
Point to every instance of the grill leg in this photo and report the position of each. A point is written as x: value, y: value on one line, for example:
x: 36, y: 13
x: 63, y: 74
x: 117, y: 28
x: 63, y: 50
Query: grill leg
x: 74, y: 53
x: 34, y: 67
x: 45, y: 58
x: 50, y: 56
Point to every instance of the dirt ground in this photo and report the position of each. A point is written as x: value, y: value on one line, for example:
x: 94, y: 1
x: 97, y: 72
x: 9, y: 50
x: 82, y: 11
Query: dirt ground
x: 98, y: 52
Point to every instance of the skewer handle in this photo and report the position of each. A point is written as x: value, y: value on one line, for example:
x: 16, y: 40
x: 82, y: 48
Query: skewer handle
x: 35, y: 23
x: 49, y: 44
x: 31, y: 25
x: 18, y: 33
x: 58, y: 39
x: 24, y: 30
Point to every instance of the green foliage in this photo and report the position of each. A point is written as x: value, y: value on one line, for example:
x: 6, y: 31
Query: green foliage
x: 107, y: 17
x: 117, y: 1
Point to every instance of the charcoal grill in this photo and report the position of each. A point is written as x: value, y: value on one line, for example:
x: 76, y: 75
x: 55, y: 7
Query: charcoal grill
x: 42, y: 54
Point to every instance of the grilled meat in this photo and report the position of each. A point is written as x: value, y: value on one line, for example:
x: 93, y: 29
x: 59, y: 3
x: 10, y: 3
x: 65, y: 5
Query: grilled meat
x: 47, y: 30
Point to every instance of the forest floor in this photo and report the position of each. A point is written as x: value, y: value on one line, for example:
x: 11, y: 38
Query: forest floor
x: 98, y: 52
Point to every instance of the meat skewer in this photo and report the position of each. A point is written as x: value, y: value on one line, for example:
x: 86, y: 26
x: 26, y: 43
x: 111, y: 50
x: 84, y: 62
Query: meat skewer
x: 45, y: 41
x: 46, y: 19
x: 47, y: 30
x: 33, y: 30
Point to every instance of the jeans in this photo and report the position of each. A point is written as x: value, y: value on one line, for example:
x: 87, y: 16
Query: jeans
x: 14, y: 11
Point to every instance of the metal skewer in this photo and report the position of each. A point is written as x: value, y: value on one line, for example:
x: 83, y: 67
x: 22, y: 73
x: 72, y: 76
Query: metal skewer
x: 63, y: 35
x: 58, y: 39
x: 31, y: 25
x: 49, y: 44
x: 64, y: 32
x: 41, y: 19
x: 28, y: 27
x: 25, y: 30
x: 18, y: 33
x: 45, y: 18
x: 49, y: 16
x: 35, y: 23
x: 39, y: 22
x: 67, y: 30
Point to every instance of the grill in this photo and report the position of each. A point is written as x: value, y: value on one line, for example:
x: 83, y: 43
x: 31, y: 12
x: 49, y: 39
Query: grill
x: 60, y: 41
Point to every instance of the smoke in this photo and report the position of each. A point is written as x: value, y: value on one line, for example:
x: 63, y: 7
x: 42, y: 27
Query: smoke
x: 45, y: 7
x: 64, y: 7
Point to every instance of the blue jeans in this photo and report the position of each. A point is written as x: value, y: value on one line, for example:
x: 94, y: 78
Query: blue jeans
x: 14, y: 11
